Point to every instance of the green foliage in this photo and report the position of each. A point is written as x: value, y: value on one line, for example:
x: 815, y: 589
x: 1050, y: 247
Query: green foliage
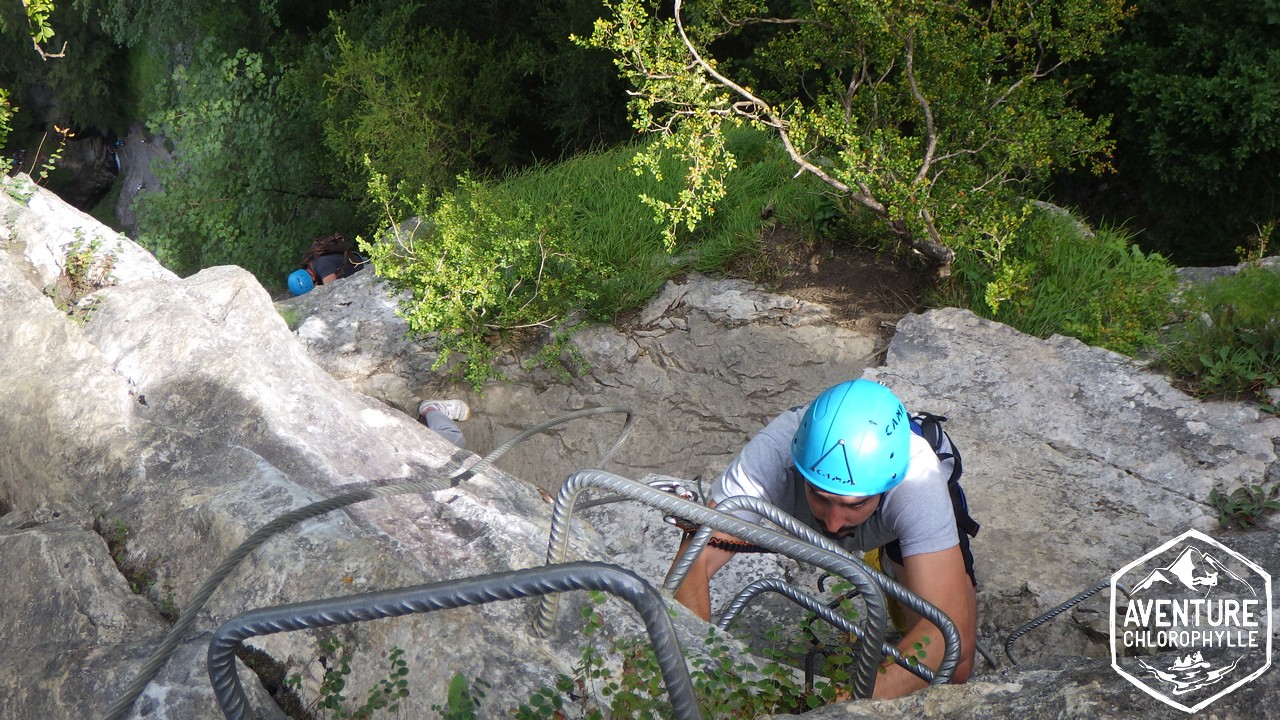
x: 38, y: 12
x: 1230, y: 342
x: 85, y: 269
x: 79, y: 86
x: 1245, y: 505
x: 55, y: 152
x: 420, y: 105
x: 1193, y: 90
x: 244, y: 186
x: 332, y: 701
x: 430, y: 90
x: 491, y: 259
x: 169, y: 23
x: 19, y: 187
x: 463, y: 700
x: 141, y: 576
x: 1202, y: 81
x: 6, y: 117
x: 727, y: 685
x: 932, y: 115
x: 1061, y: 279
x: 488, y: 265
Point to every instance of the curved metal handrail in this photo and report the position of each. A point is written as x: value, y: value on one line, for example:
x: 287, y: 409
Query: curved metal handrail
x: 867, y: 657
x: 447, y: 595
x: 890, y: 587
x: 823, y: 611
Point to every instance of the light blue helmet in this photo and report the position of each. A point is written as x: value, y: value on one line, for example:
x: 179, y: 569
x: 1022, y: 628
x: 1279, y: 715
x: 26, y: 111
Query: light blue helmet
x: 855, y: 439
x: 300, y: 282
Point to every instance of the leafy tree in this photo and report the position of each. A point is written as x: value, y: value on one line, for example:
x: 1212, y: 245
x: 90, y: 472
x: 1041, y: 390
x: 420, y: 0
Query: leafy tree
x: 247, y: 183
x: 1203, y: 89
x: 1195, y: 91
x: 936, y: 117
x: 427, y: 91
x: 168, y: 23
x: 32, y: 25
x: 417, y: 105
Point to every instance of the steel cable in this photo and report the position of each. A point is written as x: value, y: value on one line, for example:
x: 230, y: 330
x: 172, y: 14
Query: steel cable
x: 283, y: 522
x: 1055, y: 612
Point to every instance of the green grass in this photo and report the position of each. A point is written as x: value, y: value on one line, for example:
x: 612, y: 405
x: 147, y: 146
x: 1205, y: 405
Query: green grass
x: 148, y: 78
x: 105, y: 211
x: 575, y: 236
x: 1229, y: 343
x: 533, y: 249
x: 598, y: 194
x: 1098, y: 287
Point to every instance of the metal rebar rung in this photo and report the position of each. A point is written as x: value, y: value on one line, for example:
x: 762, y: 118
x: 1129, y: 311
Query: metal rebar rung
x: 868, y: 657
x: 453, y: 594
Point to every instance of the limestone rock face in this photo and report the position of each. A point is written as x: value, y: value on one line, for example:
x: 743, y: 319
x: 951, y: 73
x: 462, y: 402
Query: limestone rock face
x: 1076, y: 461
x: 178, y: 416
x: 185, y: 412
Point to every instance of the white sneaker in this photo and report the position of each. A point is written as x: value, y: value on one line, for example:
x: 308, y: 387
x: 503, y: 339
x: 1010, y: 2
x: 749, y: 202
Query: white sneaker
x: 455, y: 410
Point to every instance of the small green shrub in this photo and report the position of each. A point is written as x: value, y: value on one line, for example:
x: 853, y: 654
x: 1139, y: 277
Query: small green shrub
x: 1244, y: 506
x: 464, y: 699
x: 292, y: 317
x: 19, y: 187
x: 332, y: 702
x: 1230, y: 343
x: 85, y: 269
x: 491, y: 267
x: 726, y: 684
x: 493, y: 262
x: 55, y: 152
x: 6, y: 117
x: 1058, y: 279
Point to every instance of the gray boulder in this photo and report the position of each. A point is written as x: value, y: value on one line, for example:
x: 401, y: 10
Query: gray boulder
x: 186, y: 413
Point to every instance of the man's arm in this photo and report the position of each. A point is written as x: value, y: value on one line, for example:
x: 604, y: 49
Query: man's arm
x: 695, y: 590
x: 939, y: 578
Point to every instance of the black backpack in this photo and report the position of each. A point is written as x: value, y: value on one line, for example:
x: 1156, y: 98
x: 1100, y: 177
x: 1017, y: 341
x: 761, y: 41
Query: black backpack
x: 929, y: 427
x: 332, y: 244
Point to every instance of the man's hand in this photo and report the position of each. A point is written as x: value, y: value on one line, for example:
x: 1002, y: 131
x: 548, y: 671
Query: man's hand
x: 939, y: 578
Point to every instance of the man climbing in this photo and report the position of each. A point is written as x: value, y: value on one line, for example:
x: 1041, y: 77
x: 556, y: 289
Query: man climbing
x: 850, y: 466
x: 329, y: 258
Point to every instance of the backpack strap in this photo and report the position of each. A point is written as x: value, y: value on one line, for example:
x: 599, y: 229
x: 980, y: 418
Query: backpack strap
x: 929, y: 426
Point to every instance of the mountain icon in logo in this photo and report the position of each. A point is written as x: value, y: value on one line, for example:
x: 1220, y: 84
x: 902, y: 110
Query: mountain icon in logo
x: 1194, y: 570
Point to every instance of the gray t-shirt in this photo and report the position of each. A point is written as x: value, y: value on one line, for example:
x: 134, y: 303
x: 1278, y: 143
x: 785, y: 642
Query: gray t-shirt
x: 916, y: 512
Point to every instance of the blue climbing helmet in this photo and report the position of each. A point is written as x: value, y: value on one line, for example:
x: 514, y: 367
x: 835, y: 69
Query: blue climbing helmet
x: 300, y: 282
x: 854, y: 439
